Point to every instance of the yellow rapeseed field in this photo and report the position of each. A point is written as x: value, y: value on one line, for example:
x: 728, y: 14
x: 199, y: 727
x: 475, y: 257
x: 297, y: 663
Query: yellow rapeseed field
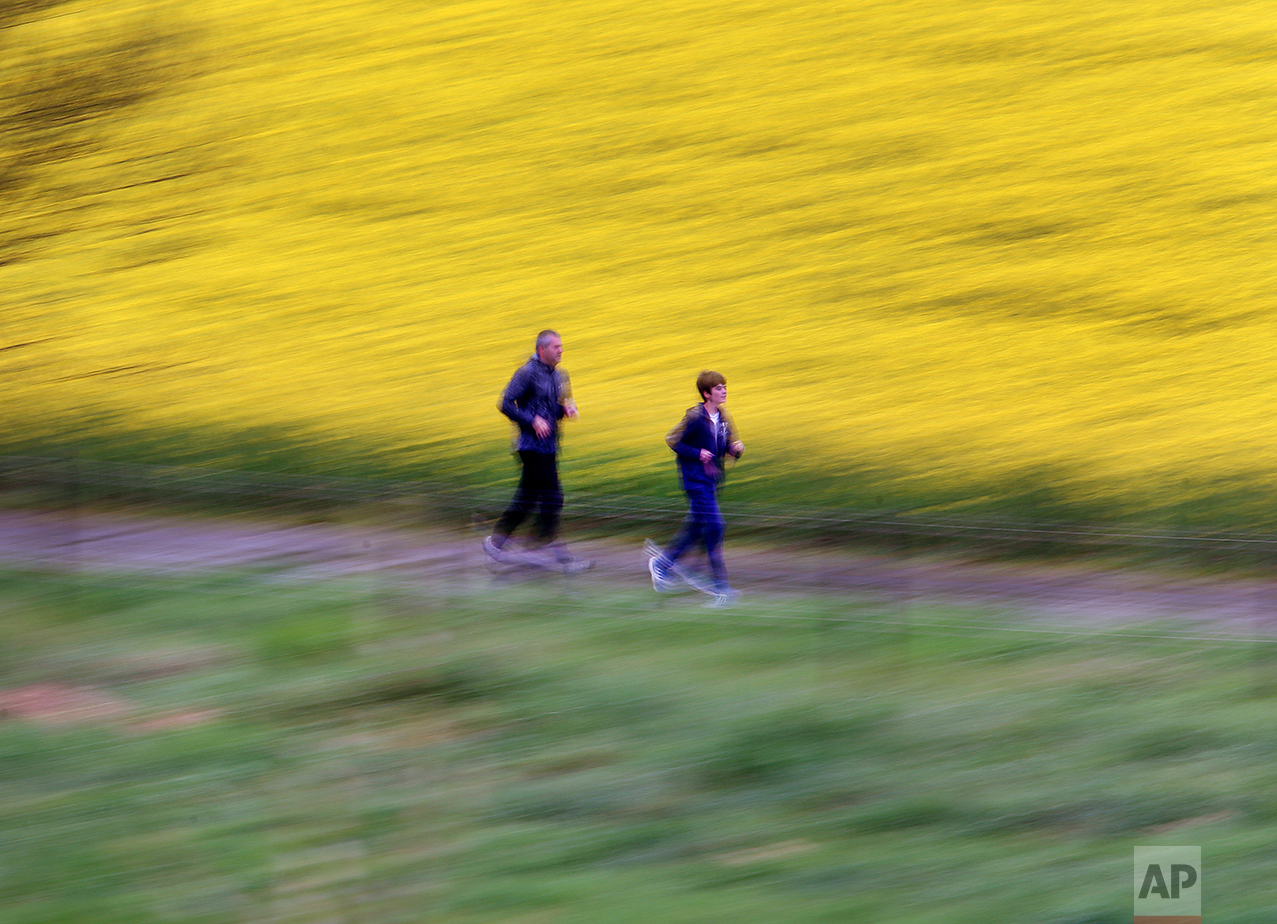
x: 957, y: 252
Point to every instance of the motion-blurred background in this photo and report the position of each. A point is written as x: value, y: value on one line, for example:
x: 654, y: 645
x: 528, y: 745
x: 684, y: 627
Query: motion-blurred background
x: 967, y: 257
x: 963, y: 263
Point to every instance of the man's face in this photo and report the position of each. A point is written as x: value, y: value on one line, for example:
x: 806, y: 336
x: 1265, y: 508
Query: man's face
x: 718, y: 394
x: 551, y: 353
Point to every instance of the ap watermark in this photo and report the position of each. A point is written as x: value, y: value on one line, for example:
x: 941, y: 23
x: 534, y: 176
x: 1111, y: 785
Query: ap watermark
x: 1168, y: 885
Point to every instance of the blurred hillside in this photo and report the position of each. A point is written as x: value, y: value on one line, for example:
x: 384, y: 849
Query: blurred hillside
x: 974, y: 257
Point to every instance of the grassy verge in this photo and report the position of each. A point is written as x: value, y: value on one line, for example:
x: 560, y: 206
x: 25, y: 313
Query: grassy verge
x: 241, y: 749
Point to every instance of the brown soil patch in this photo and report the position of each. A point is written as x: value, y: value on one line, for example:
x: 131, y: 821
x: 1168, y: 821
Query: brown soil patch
x: 59, y: 704
x: 56, y: 704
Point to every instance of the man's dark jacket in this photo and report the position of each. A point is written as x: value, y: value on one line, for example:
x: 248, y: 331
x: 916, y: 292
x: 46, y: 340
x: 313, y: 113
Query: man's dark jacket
x: 536, y: 390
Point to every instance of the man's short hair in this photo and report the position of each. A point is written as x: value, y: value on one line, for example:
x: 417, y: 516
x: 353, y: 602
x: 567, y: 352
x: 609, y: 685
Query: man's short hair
x: 544, y: 337
x: 706, y: 381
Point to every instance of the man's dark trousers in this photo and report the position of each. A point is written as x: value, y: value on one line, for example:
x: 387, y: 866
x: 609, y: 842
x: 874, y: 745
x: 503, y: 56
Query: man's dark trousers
x: 538, y: 490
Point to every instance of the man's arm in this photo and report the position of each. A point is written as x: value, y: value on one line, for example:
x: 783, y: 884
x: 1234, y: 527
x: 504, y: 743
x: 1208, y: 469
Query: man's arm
x: 567, y: 404
x: 510, y: 400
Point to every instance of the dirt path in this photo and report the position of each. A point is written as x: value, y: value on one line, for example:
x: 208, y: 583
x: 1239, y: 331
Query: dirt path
x: 1069, y: 593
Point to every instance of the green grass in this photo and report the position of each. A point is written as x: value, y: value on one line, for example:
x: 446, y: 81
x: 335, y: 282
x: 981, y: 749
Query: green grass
x: 355, y: 751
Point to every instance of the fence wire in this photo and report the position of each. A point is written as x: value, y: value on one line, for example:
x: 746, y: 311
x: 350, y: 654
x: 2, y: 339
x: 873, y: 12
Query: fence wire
x: 82, y: 480
x: 870, y: 608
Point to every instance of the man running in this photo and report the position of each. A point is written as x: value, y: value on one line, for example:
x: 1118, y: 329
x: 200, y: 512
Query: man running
x: 538, y: 397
